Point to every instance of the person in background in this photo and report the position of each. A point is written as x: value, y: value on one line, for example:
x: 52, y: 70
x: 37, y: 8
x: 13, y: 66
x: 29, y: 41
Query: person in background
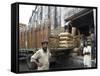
x: 41, y: 57
x: 87, y: 55
x: 81, y: 45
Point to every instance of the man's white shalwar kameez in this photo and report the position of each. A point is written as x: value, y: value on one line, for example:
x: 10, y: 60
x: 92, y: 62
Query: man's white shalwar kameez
x: 43, y: 58
x: 87, y: 57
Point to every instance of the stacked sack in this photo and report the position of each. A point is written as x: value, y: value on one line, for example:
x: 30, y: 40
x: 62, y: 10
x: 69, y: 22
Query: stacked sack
x: 65, y: 40
x: 76, y: 41
x: 54, y: 41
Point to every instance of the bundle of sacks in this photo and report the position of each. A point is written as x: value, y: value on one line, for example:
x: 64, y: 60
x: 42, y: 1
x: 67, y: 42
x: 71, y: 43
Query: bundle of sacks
x: 66, y: 40
x: 54, y: 41
x: 76, y: 41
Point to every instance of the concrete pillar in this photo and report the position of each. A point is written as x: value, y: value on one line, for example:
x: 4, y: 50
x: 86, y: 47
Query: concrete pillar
x: 73, y: 31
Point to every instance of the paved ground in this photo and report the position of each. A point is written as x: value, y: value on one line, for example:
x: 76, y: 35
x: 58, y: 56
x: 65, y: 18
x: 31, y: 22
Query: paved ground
x: 23, y: 66
x: 63, y: 62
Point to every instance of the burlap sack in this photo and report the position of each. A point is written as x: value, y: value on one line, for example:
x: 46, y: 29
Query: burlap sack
x: 65, y: 34
x: 66, y: 42
x: 76, y: 41
x: 66, y: 45
x: 65, y: 38
x: 54, y: 42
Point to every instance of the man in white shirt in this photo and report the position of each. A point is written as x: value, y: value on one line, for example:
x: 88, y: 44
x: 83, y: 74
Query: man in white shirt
x: 42, y: 55
x: 87, y: 56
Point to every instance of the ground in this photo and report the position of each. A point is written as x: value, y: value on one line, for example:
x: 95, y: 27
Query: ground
x: 62, y: 62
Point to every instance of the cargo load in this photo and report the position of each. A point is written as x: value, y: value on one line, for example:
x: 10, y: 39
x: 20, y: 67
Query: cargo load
x: 65, y: 40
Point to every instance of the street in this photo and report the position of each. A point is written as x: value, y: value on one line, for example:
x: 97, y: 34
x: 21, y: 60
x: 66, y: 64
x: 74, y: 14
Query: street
x: 63, y: 62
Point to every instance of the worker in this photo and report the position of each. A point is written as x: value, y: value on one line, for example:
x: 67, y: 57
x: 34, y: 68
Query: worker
x: 41, y: 57
x: 87, y: 55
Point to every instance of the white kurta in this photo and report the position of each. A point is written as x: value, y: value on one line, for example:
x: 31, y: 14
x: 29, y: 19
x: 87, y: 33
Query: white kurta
x: 87, y: 58
x: 43, y: 59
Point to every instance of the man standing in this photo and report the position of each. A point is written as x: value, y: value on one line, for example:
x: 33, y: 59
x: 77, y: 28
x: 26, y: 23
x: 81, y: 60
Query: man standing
x: 41, y: 57
x: 87, y: 55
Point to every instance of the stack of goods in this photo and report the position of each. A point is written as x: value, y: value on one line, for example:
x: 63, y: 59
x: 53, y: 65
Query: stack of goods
x: 54, y: 41
x: 76, y: 40
x: 65, y: 40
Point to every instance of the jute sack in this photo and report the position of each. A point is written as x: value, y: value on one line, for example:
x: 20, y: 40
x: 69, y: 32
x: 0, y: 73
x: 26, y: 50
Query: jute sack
x: 66, y: 42
x: 53, y: 42
x: 63, y: 46
x: 65, y: 34
x: 66, y: 45
x: 76, y: 42
x: 65, y: 38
